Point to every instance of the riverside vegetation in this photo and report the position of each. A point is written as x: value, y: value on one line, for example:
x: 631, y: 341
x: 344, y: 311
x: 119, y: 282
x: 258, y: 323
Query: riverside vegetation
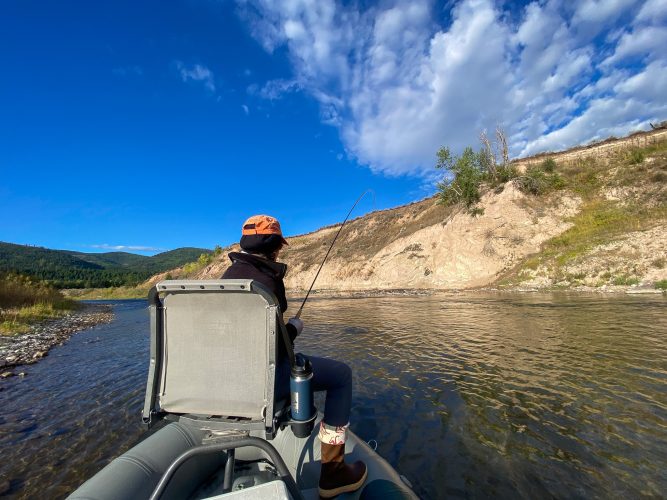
x: 34, y: 317
x: 24, y: 300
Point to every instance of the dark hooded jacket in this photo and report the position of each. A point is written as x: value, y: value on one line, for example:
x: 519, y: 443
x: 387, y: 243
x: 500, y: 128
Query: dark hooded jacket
x: 268, y: 273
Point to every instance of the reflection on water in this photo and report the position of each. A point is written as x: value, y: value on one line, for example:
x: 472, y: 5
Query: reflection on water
x: 468, y: 395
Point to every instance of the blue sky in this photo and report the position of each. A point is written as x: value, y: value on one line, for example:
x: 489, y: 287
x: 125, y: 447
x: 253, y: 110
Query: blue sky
x: 148, y: 126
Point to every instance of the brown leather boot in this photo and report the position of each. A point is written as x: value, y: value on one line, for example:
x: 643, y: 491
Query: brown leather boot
x: 336, y: 476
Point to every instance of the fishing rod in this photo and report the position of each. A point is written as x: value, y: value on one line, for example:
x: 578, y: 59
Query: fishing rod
x: 298, y: 314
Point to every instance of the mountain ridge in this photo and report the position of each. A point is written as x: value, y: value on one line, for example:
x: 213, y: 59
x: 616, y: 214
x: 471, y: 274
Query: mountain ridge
x: 70, y: 269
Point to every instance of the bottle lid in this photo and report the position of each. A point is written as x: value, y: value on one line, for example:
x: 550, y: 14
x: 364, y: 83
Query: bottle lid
x: 302, y: 366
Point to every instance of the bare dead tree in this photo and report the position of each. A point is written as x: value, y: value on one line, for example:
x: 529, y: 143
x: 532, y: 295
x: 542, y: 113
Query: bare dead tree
x: 488, y: 152
x: 456, y: 188
x: 501, y: 140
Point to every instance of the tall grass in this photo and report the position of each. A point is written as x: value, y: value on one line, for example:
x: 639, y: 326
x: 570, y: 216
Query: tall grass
x: 24, y: 300
x: 112, y: 293
x: 598, y: 222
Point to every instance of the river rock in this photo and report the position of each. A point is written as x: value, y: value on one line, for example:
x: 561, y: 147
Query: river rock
x: 30, y: 347
x: 5, y: 486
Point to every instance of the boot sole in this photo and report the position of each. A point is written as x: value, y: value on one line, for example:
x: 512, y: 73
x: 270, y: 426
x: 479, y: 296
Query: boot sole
x: 344, y: 489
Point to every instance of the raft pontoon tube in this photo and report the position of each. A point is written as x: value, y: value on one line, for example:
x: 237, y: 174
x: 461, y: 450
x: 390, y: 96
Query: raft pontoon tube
x: 210, y: 387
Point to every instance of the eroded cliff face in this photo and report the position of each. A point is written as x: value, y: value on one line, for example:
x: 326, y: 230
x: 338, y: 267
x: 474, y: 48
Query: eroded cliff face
x: 422, y: 245
x: 458, y: 251
x: 425, y: 245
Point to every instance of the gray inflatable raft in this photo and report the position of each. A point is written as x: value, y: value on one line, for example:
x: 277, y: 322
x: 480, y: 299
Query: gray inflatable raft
x: 137, y: 473
x: 211, y: 380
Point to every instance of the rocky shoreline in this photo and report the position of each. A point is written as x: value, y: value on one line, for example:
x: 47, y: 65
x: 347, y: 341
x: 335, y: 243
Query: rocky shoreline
x: 30, y: 347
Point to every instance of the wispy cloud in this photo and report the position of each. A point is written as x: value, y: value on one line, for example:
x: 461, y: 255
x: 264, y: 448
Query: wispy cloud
x: 245, y: 109
x: 127, y: 248
x: 196, y: 73
x: 274, y: 89
x: 398, y: 85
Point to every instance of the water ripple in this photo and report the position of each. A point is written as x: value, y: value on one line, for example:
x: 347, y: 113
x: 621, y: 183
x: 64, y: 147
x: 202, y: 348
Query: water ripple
x: 468, y: 395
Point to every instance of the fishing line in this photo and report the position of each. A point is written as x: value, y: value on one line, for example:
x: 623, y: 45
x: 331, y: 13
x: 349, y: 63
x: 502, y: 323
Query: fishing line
x: 298, y: 314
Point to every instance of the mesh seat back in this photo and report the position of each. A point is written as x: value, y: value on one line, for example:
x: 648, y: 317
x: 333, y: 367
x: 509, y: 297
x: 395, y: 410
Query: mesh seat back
x: 218, y: 353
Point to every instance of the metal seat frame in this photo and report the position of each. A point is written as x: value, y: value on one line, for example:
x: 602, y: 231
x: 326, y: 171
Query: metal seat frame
x: 276, y: 414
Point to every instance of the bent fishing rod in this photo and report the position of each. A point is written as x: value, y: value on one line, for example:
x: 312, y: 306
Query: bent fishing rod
x: 298, y: 314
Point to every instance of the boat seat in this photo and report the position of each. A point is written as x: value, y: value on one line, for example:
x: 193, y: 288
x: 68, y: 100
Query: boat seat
x: 214, y: 346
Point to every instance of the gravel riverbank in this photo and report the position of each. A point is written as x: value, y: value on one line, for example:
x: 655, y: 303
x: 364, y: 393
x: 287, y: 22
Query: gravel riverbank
x: 30, y: 347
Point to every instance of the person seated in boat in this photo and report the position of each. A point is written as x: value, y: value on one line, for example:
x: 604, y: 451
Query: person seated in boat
x: 261, y: 242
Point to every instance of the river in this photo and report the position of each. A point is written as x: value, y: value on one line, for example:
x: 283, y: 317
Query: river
x: 468, y: 395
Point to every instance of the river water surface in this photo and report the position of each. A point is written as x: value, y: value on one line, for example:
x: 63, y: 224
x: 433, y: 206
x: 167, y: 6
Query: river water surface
x: 467, y: 395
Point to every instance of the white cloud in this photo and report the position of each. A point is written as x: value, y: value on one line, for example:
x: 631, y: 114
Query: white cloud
x: 593, y: 15
x: 275, y: 89
x: 653, y: 11
x: 651, y: 83
x: 197, y: 73
x: 604, y: 118
x: 127, y: 248
x: 646, y: 42
x: 245, y: 109
x: 398, y: 85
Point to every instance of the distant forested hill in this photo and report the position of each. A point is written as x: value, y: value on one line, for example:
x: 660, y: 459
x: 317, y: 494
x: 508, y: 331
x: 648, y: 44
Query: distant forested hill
x: 65, y: 269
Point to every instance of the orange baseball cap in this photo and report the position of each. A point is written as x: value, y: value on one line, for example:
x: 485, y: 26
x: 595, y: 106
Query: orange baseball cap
x: 262, y: 224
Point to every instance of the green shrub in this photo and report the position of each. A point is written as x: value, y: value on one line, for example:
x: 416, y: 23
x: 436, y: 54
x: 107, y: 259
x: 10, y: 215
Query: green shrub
x: 549, y: 165
x: 468, y: 174
x: 625, y: 281
x: 204, y: 260
x: 537, y: 181
x: 505, y: 173
x: 24, y: 300
x: 17, y: 290
x: 661, y: 285
x: 636, y: 156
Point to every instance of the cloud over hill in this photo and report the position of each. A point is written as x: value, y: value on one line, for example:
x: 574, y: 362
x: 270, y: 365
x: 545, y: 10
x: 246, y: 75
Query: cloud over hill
x: 400, y: 79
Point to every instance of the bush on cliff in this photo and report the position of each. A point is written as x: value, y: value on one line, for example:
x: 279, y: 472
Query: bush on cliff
x: 540, y: 179
x: 467, y: 173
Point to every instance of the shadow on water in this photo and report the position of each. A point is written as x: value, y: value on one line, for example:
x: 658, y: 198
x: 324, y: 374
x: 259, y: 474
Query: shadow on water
x: 467, y: 395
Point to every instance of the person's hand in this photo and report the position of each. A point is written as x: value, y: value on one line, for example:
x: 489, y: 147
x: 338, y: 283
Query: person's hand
x: 296, y: 323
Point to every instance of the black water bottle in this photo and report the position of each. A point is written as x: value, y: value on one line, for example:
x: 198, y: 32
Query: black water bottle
x: 301, y: 390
